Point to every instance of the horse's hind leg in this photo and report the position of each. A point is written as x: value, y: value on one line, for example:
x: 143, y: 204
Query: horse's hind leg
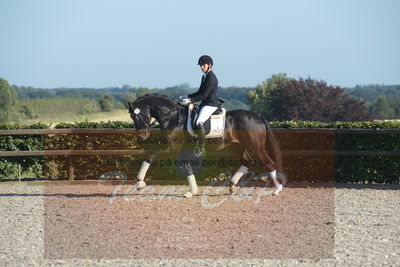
x: 269, y: 166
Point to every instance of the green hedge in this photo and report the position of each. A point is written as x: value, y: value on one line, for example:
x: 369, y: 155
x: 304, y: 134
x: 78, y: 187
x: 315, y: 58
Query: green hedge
x: 95, y: 125
x: 350, y: 169
x: 376, y: 125
x: 368, y: 169
x: 344, y: 169
x: 14, y: 167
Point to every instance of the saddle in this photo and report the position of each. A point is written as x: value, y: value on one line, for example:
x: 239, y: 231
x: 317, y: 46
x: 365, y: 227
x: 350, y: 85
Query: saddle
x: 214, y: 126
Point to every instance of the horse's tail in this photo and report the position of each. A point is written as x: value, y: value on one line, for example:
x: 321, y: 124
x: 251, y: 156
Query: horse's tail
x: 273, y: 148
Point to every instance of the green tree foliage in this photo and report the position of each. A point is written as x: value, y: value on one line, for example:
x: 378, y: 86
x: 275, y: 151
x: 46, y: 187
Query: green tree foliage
x: 372, y: 92
x: 142, y: 91
x: 106, y: 103
x: 128, y: 97
x: 25, y: 110
x: 383, y: 101
x: 127, y: 92
x: 235, y: 93
x: 281, y: 98
x: 234, y: 104
x: 385, y: 108
x: 260, y: 98
x: 8, y: 98
x: 175, y: 91
x: 235, y: 97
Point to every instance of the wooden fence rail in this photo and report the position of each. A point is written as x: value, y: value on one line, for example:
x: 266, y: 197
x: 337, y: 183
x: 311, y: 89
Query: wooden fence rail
x: 119, y: 152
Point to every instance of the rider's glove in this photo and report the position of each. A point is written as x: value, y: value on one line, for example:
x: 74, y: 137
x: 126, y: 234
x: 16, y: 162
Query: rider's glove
x: 184, y: 100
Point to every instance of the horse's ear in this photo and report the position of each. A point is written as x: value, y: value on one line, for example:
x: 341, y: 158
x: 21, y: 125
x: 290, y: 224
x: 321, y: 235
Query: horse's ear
x: 130, y: 106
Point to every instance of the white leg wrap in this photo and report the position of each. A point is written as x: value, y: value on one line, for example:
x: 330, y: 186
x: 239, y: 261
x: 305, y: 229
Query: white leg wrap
x: 143, y: 171
x: 192, y: 184
x: 236, y: 177
x: 273, y: 175
x: 278, y: 186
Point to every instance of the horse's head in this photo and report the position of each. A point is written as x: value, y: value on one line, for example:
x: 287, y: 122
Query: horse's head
x: 140, y: 114
x: 151, y: 107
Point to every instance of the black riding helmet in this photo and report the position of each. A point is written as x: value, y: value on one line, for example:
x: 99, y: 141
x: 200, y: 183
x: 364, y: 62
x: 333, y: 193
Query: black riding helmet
x: 205, y: 60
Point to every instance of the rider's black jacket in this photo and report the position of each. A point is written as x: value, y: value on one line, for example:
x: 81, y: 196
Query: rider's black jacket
x: 207, y: 92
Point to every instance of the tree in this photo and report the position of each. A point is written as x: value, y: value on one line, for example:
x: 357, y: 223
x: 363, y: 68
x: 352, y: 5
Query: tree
x: 281, y: 98
x: 106, y: 103
x: 27, y: 111
x: 260, y: 98
x: 128, y: 97
x: 8, y: 98
x: 141, y: 91
x: 384, y: 108
x: 235, y: 93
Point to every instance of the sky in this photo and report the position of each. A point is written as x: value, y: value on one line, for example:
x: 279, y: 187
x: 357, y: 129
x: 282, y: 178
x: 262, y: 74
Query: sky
x: 156, y: 43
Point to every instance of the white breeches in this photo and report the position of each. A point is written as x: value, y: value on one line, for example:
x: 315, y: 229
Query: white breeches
x: 205, y: 113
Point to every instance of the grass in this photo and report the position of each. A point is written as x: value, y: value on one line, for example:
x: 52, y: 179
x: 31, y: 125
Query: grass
x: 58, y: 110
x: 115, y: 115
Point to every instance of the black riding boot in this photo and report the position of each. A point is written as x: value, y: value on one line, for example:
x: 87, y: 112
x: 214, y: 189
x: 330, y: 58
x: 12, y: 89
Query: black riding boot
x: 201, y: 140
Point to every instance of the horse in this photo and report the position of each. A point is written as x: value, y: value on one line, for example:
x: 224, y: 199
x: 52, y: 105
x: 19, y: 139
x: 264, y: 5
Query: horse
x: 250, y: 133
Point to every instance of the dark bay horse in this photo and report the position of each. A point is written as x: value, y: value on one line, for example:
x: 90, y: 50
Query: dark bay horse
x: 248, y: 131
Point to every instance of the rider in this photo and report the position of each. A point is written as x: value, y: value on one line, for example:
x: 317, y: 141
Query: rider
x: 207, y: 94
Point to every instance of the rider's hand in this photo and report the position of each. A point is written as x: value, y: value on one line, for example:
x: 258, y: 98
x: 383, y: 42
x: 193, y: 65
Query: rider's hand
x: 184, y: 100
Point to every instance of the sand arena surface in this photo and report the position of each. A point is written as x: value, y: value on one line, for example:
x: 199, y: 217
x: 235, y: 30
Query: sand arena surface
x: 104, y: 224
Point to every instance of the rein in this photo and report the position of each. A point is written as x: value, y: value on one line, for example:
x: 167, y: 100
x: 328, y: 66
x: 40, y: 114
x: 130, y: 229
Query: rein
x: 144, y: 123
x: 177, y: 107
x: 157, y: 114
x: 160, y: 116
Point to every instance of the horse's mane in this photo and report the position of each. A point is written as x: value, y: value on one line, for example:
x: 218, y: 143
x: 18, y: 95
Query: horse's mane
x: 165, y: 97
x: 162, y: 104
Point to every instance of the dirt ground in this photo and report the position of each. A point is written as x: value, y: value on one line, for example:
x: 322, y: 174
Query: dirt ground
x: 102, y: 224
x: 111, y: 221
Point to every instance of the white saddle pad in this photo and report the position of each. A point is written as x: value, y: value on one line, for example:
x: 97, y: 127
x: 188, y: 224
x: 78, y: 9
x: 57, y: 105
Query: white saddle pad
x: 217, y: 123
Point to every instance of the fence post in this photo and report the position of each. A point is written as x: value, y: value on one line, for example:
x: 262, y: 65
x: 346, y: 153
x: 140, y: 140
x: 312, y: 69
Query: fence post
x: 19, y: 172
x: 71, y: 169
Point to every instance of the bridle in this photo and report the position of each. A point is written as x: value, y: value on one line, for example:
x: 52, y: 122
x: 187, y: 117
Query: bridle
x: 146, y: 126
x: 177, y: 107
x: 140, y: 115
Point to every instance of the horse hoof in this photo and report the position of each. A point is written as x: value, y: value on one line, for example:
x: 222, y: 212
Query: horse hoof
x: 140, y: 184
x: 188, y: 194
x: 232, y: 189
x: 277, y: 190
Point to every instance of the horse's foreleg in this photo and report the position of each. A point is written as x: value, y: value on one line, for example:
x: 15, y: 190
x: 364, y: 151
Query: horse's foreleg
x: 192, y: 186
x: 236, y: 177
x: 239, y: 173
x: 141, y: 174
